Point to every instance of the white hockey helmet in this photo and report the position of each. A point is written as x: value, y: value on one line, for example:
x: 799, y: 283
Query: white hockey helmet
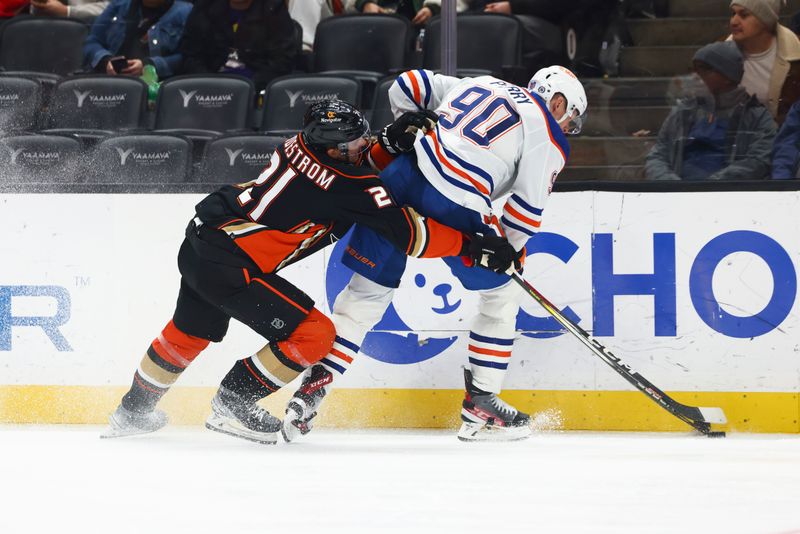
x: 557, y: 79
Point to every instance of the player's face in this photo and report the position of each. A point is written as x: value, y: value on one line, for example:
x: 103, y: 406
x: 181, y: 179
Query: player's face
x: 355, y: 151
x: 558, y: 108
x: 744, y: 25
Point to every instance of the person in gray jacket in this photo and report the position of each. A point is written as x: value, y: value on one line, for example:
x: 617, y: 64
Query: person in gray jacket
x: 726, y: 135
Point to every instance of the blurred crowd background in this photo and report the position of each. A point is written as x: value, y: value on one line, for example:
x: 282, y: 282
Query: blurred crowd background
x: 170, y: 91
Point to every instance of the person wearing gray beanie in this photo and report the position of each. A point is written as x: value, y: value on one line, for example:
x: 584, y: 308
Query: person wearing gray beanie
x: 771, y: 54
x: 767, y: 11
x: 723, y: 57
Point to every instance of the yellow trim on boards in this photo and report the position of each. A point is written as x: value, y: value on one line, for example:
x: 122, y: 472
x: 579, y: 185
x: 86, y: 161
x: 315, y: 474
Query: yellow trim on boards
x: 421, y: 408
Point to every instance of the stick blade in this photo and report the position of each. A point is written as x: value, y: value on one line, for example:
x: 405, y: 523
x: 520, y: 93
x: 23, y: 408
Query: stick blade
x: 713, y: 415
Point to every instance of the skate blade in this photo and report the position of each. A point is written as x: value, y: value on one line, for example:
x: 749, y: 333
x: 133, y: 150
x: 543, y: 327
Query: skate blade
x: 483, y: 432
x: 225, y: 427
x: 112, y: 432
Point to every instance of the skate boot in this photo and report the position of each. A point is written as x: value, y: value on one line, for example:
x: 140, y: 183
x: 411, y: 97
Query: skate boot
x: 234, y: 415
x: 124, y: 422
x: 305, y: 402
x: 486, y: 417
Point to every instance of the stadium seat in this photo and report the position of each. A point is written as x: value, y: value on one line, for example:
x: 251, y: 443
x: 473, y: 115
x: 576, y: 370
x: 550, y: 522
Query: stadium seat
x: 365, y: 48
x: 37, y: 158
x: 287, y: 98
x: 20, y: 101
x: 142, y: 159
x: 203, y: 107
x: 92, y: 107
x: 381, y: 110
x: 236, y: 158
x: 488, y: 43
x: 48, y: 45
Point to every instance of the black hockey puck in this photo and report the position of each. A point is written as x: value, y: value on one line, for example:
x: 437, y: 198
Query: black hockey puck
x: 715, y: 434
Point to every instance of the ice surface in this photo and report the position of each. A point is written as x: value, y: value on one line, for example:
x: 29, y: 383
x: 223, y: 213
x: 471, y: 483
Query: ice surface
x: 188, y: 480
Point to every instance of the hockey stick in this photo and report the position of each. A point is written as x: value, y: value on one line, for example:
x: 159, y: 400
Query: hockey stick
x: 698, y: 418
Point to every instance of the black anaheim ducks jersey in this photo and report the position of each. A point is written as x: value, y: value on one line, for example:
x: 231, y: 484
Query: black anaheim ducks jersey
x: 302, y: 198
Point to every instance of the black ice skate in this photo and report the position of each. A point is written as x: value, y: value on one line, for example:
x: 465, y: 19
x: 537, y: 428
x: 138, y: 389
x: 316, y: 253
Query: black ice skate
x: 124, y: 422
x: 234, y: 415
x: 305, y: 402
x: 486, y: 417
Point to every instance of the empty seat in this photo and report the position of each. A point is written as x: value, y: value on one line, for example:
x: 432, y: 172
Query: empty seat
x: 96, y: 106
x: 20, y: 101
x: 142, y: 159
x: 49, y: 45
x: 41, y: 159
x: 366, y: 48
x: 487, y: 43
x: 381, y: 110
x: 236, y: 158
x: 288, y: 97
x: 203, y: 107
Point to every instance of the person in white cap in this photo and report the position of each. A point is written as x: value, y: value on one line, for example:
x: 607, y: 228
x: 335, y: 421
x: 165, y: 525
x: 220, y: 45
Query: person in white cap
x: 771, y: 54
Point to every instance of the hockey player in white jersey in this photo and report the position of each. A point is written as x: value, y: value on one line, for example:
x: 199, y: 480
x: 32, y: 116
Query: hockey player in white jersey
x: 493, y: 140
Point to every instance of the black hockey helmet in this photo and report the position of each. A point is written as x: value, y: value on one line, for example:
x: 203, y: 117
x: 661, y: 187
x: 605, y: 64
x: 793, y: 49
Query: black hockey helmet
x: 333, y: 124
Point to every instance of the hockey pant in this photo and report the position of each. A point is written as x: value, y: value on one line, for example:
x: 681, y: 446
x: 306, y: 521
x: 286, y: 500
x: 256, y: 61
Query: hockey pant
x: 219, y: 283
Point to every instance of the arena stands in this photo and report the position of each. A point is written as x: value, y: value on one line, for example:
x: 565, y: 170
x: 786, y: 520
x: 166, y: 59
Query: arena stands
x: 356, y: 57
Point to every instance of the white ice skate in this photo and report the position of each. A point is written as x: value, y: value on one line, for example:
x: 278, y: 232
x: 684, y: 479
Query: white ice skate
x: 304, y: 404
x: 124, y: 422
x: 233, y: 415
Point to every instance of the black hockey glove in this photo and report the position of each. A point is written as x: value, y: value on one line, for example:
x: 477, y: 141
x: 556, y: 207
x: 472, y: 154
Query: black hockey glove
x: 494, y: 253
x: 399, y: 136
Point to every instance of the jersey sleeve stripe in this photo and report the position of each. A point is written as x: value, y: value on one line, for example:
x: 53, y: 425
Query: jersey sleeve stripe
x: 463, y: 174
x: 427, y: 82
x: 467, y: 165
x: 517, y: 215
x: 457, y: 183
x: 415, y: 87
x: 517, y: 227
x: 524, y: 205
x: 406, y: 90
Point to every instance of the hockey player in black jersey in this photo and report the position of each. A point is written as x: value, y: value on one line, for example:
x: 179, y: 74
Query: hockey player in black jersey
x: 314, y: 188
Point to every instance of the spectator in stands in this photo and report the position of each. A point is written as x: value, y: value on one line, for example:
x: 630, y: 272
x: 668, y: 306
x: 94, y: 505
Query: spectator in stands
x: 771, y: 54
x: 728, y: 138
x: 85, y: 10
x: 144, y: 32
x: 252, y: 38
x: 309, y: 13
x: 417, y: 11
x: 786, y: 149
x: 541, y: 32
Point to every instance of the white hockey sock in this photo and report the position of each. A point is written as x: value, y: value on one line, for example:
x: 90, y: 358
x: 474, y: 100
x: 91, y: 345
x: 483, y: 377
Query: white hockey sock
x: 357, y: 309
x: 492, y: 336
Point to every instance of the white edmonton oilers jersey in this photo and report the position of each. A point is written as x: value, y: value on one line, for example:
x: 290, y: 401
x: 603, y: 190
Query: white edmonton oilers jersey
x: 493, y: 138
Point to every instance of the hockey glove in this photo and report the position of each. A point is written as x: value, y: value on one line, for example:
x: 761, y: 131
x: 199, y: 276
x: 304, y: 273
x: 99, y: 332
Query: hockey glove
x: 494, y: 253
x: 399, y: 136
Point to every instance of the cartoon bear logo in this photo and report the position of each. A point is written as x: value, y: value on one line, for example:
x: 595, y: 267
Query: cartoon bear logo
x: 431, y: 302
